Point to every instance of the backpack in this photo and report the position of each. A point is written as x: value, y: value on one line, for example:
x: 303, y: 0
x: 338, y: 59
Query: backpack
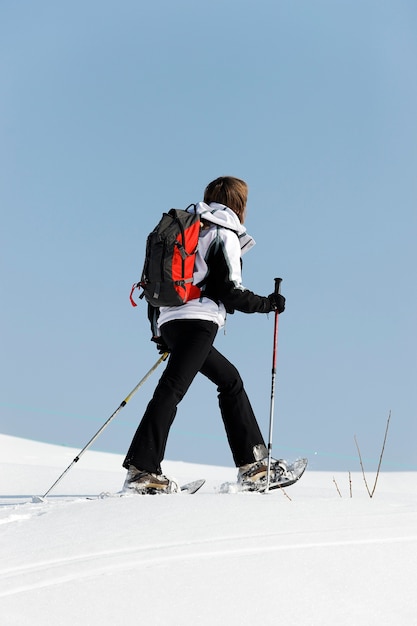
x: 167, y: 275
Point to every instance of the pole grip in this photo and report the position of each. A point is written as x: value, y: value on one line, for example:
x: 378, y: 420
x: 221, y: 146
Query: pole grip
x: 278, y: 282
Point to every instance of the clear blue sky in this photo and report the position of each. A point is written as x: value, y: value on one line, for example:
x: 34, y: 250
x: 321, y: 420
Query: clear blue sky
x: 111, y: 113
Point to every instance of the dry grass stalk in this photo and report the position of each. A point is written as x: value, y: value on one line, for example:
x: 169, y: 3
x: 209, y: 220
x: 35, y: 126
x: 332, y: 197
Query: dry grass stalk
x: 285, y: 493
x: 337, y: 486
x: 371, y: 492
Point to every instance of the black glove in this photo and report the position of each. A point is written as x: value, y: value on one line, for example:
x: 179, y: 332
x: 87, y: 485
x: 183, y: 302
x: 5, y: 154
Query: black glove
x: 277, y: 302
x: 160, y: 344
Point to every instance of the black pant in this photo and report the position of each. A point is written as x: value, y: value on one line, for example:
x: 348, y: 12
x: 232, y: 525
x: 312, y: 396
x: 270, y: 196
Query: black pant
x: 191, y: 351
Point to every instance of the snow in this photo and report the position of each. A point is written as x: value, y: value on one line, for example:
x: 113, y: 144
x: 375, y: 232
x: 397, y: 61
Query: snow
x: 310, y: 559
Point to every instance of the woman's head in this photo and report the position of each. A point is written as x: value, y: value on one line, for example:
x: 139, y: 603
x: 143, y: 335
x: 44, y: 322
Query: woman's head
x: 233, y: 192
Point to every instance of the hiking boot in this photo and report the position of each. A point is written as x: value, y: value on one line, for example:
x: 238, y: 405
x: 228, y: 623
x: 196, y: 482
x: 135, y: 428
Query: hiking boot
x: 253, y: 476
x: 143, y: 482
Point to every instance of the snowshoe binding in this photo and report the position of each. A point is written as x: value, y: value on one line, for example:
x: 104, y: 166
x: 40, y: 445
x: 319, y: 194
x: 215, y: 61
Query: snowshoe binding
x: 143, y: 482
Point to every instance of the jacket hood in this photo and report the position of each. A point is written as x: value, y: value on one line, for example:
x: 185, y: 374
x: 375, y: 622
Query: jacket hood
x: 221, y: 215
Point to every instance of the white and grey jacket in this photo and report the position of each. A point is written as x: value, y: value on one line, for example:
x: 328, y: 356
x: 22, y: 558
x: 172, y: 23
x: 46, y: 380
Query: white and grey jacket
x: 218, y: 271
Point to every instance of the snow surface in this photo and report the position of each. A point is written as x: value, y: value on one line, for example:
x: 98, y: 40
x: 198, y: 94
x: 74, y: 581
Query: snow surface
x: 310, y: 559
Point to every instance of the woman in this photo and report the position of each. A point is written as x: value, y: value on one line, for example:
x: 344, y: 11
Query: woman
x: 188, y: 331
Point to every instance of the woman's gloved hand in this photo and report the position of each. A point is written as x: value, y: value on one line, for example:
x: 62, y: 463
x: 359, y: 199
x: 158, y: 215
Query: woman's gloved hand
x: 277, y: 302
x: 160, y: 344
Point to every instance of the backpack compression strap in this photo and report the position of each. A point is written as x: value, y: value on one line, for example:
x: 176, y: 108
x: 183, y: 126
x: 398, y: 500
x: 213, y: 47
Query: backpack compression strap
x: 135, y: 286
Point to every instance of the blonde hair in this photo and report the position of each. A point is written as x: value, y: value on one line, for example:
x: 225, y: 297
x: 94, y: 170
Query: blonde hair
x: 230, y: 191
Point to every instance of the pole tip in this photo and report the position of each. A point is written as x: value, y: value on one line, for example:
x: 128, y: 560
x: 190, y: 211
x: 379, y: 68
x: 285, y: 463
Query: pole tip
x: 37, y: 499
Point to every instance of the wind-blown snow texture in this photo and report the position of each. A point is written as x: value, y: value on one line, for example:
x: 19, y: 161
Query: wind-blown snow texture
x: 235, y: 559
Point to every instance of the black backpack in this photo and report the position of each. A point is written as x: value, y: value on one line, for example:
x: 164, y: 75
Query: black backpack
x: 167, y: 276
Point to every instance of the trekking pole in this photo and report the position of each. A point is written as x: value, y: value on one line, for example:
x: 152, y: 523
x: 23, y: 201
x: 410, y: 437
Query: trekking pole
x: 98, y: 433
x: 278, y: 282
